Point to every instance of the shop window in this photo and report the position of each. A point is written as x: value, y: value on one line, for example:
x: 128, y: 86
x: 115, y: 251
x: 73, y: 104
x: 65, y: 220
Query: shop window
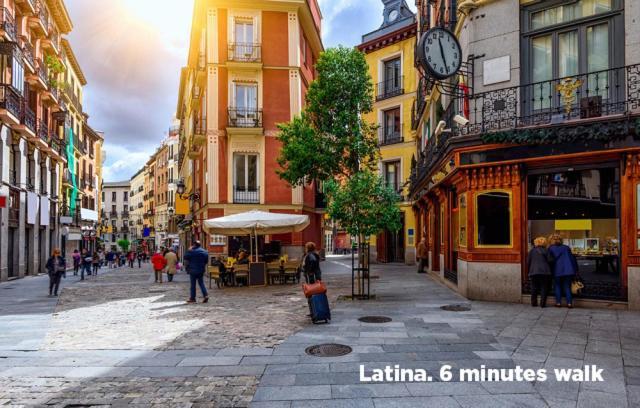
x: 638, y: 212
x: 493, y: 219
x: 462, y: 210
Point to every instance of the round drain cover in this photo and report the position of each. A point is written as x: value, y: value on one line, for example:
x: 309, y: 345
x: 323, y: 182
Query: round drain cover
x: 375, y: 319
x: 328, y: 350
x: 456, y: 308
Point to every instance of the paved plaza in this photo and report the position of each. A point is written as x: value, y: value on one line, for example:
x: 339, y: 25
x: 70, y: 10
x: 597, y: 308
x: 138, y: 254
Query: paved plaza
x: 122, y: 340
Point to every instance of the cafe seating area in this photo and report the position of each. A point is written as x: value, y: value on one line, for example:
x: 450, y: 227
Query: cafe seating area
x: 279, y: 272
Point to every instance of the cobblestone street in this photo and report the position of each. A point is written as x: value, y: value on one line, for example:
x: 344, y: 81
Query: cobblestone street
x: 122, y: 340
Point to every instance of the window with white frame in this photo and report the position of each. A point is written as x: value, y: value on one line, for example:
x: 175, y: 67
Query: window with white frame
x: 246, y: 103
x: 245, y: 178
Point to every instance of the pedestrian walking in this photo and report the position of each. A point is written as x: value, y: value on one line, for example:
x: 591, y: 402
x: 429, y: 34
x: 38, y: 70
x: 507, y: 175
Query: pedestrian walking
x: 140, y: 258
x: 565, y: 268
x: 111, y: 256
x: 423, y: 254
x: 539, y: 263
x: 197, y: 259
x: 76, y: 262
x: 172, y: 261
x: 102, y: 257
x: 96, y: 263
x: 131, y: 257
x: 158, y: 263
x: 56, y: 265
x: 87, y: 260
x: 311, y: 263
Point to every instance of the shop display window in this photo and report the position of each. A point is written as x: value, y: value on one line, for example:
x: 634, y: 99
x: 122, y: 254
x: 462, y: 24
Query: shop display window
x: 462, y: 209
x: 494, y: 224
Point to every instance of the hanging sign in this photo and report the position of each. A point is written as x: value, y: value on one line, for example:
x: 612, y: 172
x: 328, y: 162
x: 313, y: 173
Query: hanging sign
x: 3, y: 202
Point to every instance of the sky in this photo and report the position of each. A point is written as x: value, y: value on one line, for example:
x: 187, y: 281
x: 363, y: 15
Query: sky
x: 131, y: 52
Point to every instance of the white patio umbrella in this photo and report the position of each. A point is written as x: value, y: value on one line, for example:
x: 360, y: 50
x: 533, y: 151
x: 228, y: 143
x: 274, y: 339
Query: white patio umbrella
x: 254, y: 223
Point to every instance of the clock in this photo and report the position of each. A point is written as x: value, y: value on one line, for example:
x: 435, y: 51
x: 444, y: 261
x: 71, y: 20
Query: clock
x: 393, y: 15
x: 439, y: 53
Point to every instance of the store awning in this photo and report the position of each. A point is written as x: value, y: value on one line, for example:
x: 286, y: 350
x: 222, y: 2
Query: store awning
x: 257, y: 222
x: 88, y: 215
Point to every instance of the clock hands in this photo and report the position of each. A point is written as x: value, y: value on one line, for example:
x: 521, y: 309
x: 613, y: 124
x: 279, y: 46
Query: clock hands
x: 444, y: 60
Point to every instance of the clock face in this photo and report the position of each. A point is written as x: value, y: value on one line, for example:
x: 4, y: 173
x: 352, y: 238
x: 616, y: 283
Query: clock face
x: 393, y: 15
x: 440, y: 53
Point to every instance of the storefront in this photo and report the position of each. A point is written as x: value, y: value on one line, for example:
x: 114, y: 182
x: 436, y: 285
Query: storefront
x: 481, y: 215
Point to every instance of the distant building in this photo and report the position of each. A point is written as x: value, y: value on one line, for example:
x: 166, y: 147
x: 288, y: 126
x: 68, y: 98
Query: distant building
x: 115, y: 207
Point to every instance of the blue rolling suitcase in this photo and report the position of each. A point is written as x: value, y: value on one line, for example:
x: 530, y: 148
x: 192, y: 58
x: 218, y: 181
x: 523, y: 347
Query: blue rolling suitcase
x: 320, y: 308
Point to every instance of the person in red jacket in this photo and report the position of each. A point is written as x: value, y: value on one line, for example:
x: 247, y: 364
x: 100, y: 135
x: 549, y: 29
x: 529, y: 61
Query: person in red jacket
x: 159, y: 264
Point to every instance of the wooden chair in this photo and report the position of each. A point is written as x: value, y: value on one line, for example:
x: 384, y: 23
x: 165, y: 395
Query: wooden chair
x: 292, y: 270
x: 241, y: 272
x: 214, y: 274
x: 274, y: 272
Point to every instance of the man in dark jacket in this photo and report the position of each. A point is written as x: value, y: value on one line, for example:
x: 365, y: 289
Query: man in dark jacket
x: 539, y: 268
x: 197, y: 260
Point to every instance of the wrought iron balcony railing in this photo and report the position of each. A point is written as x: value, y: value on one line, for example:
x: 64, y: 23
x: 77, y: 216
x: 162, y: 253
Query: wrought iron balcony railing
x: 391, y: 135
x: 42, y: 72
x: 43, y: 14
x: 10, y: 100
x: 43, y: 130
x: 113, y: 214
x: 28, y: 118
x: 245, y: 52
x: 245, y: 117
x: 28, y: 53
x: 7, y: 23
x: 389, y: 88
x: 552, y: 104
x: 246, y: 195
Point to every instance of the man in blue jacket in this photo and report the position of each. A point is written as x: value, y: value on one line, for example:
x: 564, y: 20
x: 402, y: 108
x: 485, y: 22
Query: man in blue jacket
x: 197, y: 259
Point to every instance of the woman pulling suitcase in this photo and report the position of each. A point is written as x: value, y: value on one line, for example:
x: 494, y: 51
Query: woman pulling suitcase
x: 315, y: 290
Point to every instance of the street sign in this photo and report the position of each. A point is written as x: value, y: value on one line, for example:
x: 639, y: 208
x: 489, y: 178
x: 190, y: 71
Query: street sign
x: 3, y: 202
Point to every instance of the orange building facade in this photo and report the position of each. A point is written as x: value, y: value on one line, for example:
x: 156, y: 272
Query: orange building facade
x: 249, y: 66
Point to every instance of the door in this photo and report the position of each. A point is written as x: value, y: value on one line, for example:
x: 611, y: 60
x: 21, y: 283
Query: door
x: 10, y: 255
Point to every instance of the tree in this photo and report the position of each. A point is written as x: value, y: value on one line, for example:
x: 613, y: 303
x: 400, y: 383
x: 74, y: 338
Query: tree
x: 124, y: 244
x: 331, y: 142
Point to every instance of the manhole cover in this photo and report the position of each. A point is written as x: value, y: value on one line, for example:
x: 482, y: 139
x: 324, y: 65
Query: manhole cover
x: 375, y: 319
x: 456, y: 308
x: 328, y: 350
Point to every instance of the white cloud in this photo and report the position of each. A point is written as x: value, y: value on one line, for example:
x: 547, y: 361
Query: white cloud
x: 121, y: 163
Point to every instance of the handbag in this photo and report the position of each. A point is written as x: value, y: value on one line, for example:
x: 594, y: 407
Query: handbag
x: 316, y: 288
x: 576, y: 286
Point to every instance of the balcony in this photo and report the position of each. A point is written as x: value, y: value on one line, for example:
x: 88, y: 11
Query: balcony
x: 244, y: 195
x: 200, y: 132
x: 139, y: 205
x: 245, y: 52
x: 43, y: 131
x: 27, y: 6
x: 125, y: 214
x: 549, y: 112
x: 40, y: 79
x: 390, y: 88
x: 139, y: 222
x: 52, y: 42
x: 388, y: 136
x: 58, y: 146
x: 10, y: 104
x: 28, y: 124
x: 421, y: 102
x: 113, y: 214
x: 245, y: 117
x: 28, y: 54
x: 7, y: 25
x: 67, y: 177
x: 40, y: 22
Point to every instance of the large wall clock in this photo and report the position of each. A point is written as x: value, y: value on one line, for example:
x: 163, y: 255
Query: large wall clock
x: 439, y: 53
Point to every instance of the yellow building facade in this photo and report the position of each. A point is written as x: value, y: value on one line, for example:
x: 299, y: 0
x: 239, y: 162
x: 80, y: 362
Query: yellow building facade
x: 389, y: 52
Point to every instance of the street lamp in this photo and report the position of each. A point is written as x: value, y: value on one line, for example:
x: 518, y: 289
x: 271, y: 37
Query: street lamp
x: 180, y: 189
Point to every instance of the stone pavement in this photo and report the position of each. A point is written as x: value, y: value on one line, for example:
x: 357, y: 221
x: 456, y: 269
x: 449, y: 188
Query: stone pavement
x: 121, y: 340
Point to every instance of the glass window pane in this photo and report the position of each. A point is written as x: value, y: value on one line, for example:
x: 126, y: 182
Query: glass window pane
x: 542, y: 71
x: 598, y: 58
x: 568, y: 53
x: 252, y: 172
x: 240, y: 175
x: 493, y: 219
x: 569, y: 12
x: 241, y: 96
x: 462, y: 209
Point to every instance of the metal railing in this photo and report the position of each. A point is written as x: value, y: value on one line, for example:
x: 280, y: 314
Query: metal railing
x: 43, y: 130
x: 28, y: 53
x: 27, y: 117
x: 245, y: 52
x: 8, y: 23
x: 42, y: 71
x: 125, y: 214
x: 43, y: 14
x: 113, y: 214
x: 245, y: 117
x: 246, y: 195
x: 389, y: 88
x: 10, y: 100
x: 390, y: 135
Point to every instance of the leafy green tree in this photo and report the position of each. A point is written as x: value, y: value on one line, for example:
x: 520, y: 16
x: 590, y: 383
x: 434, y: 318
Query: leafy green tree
x: 331, y: 142
x: 124, y: 244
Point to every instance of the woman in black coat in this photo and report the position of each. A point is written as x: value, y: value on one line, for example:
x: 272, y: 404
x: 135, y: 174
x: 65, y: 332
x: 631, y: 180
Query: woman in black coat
x: 56, y: 266
x: 311, y: 264
x: 539, y: 263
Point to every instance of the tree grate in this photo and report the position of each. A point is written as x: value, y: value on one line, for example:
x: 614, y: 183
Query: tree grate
x: 328, y: 350
x: 375, y: 319
x: 456, y: 308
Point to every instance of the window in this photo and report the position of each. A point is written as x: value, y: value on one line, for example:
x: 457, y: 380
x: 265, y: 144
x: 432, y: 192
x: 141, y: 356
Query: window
x: 17, y: 75
x: 391, y: 126
x: 303, y: 49
x: 493, y: 219
x: 245, y: 178
x: 244, y: 31
x: 246, y: 100
x: 113, y: 196
x: 125, y: 195
x: 392, y: 175
x: 426, y: 133
x: 103, y: 196
x: 570, y: 46
x: 392, y: 81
